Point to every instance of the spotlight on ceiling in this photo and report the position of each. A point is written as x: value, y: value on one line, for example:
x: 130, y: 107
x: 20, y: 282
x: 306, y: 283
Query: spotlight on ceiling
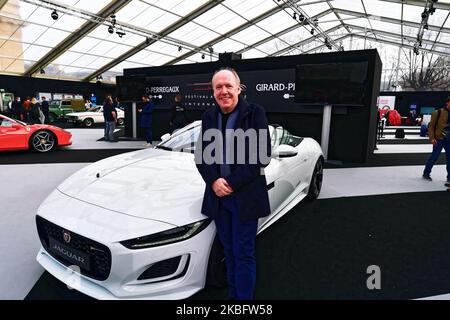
x: 179, y: 49
x: 120, y: 33
x: 110, y: 29
x: 54, y: 14
x: 203, y: 56
x: 301, y: 17
x: 42, y: 71
x: 312, y: 31
x: 294, y: 16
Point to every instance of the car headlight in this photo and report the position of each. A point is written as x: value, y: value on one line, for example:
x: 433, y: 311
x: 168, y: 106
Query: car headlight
x: 167, y: 237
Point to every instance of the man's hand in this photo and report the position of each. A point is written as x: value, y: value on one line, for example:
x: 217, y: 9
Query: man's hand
x: 433, y: 141
x: 221, y: 187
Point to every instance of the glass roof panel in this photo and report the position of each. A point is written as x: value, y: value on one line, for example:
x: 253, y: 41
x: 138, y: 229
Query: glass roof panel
x: 314, y: 9
x: 252, y: 53
x: 193, y: 33
x: 35, y: 52
x: 85, y: 44
x: 67, y: 22
x: 228, y: 45
x: 67, y: 58
x: 152, y: 19
x: 387, y: 9
x: 385, y: 26
x: 99, y: 62
x: 28, y: 32
x: 412, y: 13
x: 276, y: 23
x: 352, y: 5
x: 219, y: 19
x: 329, y: 21
x: 179, y: 7
x: 51, y: 37
x: 17, y: 66
x: 249, y: 9
x: 250, y: 35
x: 438, y: 18
x: 359, y: 22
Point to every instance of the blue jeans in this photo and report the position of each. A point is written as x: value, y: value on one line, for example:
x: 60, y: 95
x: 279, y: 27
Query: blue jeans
x: 238, y: 240
x: 148, y: 135
x: 437, y: 149
x: 110, y: 126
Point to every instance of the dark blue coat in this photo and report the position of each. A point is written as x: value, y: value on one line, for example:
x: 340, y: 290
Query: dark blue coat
x: 146, y: 115
x: 249, y: 185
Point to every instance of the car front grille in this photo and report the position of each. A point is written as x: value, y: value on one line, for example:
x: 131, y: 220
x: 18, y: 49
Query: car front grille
x: 97, y: 254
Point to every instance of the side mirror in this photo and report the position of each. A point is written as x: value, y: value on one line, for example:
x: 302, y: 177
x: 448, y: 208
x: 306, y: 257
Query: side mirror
x: 284, y: 151
x: 165, y: 136
x: 16, y: 126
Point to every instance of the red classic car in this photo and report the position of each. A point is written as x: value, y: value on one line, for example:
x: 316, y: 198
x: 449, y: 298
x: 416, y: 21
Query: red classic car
x: 17, y: 135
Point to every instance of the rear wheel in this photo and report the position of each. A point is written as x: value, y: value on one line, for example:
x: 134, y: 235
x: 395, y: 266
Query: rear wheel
x: 88, y: 122
x: 216, y: 274
x: 42, y: 141
x: 316, y: 180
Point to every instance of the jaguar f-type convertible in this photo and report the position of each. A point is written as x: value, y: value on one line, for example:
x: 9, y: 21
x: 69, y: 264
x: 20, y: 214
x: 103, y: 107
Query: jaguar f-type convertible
x: 131, y: 227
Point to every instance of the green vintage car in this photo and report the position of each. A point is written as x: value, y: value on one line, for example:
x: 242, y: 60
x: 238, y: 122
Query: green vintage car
x: 59, y: 108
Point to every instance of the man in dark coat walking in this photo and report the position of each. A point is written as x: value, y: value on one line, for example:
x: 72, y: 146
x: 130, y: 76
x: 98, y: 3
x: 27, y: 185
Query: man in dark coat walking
x: 236, y: 192
x: 146, y: 120
x: 45, y: 109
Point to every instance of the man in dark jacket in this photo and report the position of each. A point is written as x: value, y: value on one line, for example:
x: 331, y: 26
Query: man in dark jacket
x: 146, y: 120
x: 17, y: 108
x: 179, y: 118
x: 236, y: 188
x: 110, y: 115
x: 45, y: 108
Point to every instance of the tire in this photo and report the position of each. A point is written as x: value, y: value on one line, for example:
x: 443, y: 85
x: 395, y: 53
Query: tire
x: 316, y: 181
x: 43, y: 141
x: 88, y: 122
x: 216, y: 273
x: 120, y: 121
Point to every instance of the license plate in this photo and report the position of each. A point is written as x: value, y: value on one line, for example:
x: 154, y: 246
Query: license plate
x: 74, y: 256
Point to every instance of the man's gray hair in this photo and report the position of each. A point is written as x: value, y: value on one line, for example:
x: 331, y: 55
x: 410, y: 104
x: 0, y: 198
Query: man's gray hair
x: 228, y: 69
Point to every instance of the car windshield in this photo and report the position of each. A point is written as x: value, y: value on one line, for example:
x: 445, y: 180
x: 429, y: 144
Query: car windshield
x: 95, y: 109
x: 186, y: 140
x: 183, y: 141
x: 8, y: 122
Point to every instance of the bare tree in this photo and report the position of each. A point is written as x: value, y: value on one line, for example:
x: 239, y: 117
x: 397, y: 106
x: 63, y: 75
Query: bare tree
x: 425, y: 72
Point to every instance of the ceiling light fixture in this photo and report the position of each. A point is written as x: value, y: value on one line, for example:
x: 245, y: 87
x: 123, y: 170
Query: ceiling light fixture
x: 54, y: 14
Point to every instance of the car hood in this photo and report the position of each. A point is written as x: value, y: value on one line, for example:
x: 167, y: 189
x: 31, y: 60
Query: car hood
x: 35, y: 127
x: 151, y: 184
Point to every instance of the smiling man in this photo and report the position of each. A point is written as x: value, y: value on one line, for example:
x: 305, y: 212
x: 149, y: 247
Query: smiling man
x: 236, y: 191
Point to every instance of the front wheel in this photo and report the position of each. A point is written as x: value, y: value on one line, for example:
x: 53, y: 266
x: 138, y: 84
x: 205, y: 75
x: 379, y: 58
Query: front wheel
x: 120, y: 121
x: 43, y: 141
x: 316, y: 180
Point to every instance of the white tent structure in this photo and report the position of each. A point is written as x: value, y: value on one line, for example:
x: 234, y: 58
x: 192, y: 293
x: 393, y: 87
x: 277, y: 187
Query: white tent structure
x: 88, y: 40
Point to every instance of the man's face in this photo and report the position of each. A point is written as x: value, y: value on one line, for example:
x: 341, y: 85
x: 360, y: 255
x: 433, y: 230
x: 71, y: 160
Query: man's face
x: 448, y: 105
x: 226, y: 90
x: 144, y: 99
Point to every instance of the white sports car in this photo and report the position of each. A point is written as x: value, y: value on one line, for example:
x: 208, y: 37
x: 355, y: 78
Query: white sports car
x: 92, y: 116
x: 130, y: 226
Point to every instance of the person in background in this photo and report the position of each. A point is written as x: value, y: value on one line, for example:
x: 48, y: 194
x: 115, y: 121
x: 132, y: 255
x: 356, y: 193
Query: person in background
x: 179, y: 117
x: 17, y: 109
x: 35, y: 111
x: 438, y: 132
x: 146, y: 120
x: 110, y: 115
x: 87, y: 105
x: 26, y: 110
x: 45, y: 109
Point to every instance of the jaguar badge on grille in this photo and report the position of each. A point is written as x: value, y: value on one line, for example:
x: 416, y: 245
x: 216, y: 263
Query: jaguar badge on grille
x: 66, y: 236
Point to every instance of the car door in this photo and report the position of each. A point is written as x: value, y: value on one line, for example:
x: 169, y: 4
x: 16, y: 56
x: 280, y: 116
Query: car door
x: 97, y: 115
x: 12, y: 138
x: 284, y: 174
